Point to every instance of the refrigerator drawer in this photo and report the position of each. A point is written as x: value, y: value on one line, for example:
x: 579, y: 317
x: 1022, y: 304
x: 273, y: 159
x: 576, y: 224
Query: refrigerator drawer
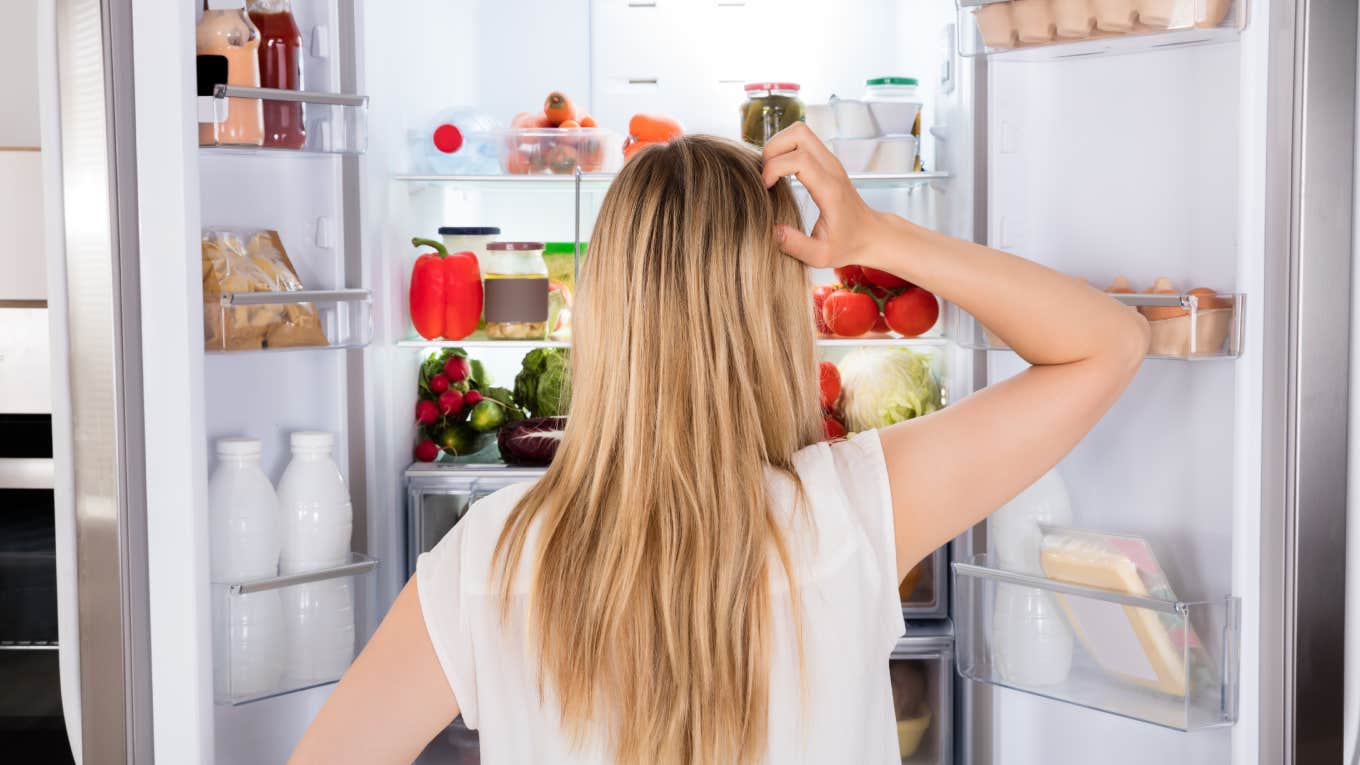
x: 922, y: 672
x: 439, y: 494
x: 924, y: 591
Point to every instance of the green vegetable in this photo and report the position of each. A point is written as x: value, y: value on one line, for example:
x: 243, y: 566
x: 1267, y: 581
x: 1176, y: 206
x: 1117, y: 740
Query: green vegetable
x: 479, y: 378
x: 542, y: 387
x: 459, y: 439
x: 883, y: 386
x: 487, y: 415
x: 512, y: 412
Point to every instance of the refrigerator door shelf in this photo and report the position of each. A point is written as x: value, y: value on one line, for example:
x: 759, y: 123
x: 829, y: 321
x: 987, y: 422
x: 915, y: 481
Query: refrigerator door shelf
x: 301, y: 320
x: 1191, y: 327
x: 1165, y: 662
x: 1047, y: 30
x: 336, y: 123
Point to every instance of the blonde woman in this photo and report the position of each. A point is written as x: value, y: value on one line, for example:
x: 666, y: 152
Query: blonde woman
x: 697, y: 579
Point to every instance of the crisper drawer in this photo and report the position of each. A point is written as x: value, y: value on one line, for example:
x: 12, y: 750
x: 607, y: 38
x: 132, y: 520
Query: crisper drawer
x: 924, y: 591
x: 439, y: 494
x: 922, y: 672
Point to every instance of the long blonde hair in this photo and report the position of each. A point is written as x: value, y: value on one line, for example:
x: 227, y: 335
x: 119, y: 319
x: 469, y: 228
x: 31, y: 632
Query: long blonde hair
x: 693, y: 370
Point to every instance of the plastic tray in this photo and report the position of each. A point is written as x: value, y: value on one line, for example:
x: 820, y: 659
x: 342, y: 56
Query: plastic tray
x: 1058, y: 28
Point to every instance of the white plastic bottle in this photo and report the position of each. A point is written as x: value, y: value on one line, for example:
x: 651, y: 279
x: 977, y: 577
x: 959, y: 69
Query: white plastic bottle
x: 249, y: 648
x: 1031, y: 640
x: 320, y: 628
x: 315, y: 505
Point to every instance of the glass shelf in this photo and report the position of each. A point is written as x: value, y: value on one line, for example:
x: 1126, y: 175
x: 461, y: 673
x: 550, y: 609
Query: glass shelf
x: 261, y: 647
x: 1185, y: 327
x: 300, y: 320
x: 881, y: 341
x: 336, y: 123
x: 1170, y: 663
x: 601, y: 181
x: 1046, y: 30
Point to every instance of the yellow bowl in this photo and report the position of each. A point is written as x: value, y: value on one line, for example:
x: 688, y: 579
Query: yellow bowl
x: 911, y: 731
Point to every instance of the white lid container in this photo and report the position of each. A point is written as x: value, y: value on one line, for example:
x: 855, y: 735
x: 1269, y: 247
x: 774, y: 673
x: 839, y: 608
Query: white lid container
x: 472, y: 239
x: 894, y: 154
x: 854, y: 153
x: 894, y: 103
x: 853, y: 119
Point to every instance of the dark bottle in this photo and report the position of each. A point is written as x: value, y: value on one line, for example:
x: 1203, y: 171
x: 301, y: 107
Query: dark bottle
x: 280, y: 67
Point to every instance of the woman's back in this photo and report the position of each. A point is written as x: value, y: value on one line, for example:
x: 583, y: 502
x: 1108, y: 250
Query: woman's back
x: 836, y: 707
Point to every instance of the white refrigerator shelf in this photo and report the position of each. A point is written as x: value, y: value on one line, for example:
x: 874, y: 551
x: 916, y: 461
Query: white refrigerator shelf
x: 335, y: 123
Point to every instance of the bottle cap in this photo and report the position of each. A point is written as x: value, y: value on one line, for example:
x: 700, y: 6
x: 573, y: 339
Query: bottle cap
x: 238, y: 447
x: 309, y: 440
x: 226, y: 5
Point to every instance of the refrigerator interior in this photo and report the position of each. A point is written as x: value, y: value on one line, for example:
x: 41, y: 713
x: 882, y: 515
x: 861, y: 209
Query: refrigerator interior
x: 1103, y: 166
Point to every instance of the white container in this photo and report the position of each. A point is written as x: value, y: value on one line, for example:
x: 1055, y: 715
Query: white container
x: 1014, y: 529
x: 1033, y: 20
x: 472, y: 239
x: 1074, y: 18
x: 894, y: 103
x: 243, y: 514
x: 314, y: 502
x: 854, y: 153
x: 248, y: 637
x: 320, y: 631
x: 894, y: 154
x: 853, y: 119
x: 821, y: 120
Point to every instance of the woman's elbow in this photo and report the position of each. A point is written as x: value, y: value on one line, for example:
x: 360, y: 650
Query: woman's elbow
x: 1131, y: 344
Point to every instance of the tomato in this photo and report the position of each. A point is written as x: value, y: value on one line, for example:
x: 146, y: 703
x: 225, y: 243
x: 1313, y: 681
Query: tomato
x: 851, y: 276
x: 849, y: 314
x: 913, y: 312
x: 883, y: 279
x: 819, y: 296
x: 832, y: 428
x: 830, y: 381
x: 880, y: 324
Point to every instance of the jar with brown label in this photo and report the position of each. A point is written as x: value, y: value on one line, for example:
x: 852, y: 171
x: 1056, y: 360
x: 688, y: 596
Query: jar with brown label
x: 515, y: 291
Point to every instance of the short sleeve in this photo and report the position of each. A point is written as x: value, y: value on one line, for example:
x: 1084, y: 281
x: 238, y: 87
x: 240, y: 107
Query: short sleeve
x: 863, y: 474
x: 440, y: 576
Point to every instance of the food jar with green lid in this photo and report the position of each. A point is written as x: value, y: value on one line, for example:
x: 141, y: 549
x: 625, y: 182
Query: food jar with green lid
x: 515, y: 291
x: 561, y: 260
x: 895, y: 104
x: 473, y: 239
x: 770, y: 107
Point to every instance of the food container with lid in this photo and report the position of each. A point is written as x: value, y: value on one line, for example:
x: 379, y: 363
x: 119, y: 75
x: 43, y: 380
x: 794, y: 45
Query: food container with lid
x: 770, y: 107
x: 854, y: 153
x: 473, y: 239
x: 515, y: 291
x: 559, y: 151
x: 894, y: 103
x: 894, y: 154
x: 822, y: 121
x: 853, y: 119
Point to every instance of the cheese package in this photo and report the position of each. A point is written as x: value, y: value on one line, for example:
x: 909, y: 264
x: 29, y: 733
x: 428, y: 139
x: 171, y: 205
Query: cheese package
x: 235, y: 262
x: 1154, y: 649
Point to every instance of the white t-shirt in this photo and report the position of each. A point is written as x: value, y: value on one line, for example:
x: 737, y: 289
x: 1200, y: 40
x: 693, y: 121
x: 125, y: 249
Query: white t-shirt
x: 852, y: 618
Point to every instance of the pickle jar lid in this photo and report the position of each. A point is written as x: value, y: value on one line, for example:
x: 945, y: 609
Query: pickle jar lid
x: 469, y: 231
x: 562, y: 248
x: 515, y: 246
x: 892, y: 81
x: 750, y: 86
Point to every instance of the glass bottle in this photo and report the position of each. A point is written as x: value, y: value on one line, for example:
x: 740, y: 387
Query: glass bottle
x: 226, y: 31
x: 280, y: 67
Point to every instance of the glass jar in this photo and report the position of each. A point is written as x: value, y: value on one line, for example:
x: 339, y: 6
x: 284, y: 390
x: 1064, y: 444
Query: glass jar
x: 225, y: 30
x: 770, y: 107
x: 515, y: 291
x: 280, y: 67
x: 473, y: 239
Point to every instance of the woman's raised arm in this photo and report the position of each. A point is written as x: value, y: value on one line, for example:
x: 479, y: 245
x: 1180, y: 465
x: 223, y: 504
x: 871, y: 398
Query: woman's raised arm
x: 953, y: 468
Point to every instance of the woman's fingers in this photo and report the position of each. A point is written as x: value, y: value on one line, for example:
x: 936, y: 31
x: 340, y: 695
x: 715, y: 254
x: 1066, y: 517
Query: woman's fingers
x: 796, y: 244
x: 796, y: 136
x: 796, y: 162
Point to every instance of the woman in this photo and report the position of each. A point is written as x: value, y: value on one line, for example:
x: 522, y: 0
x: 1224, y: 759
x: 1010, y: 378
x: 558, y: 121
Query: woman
x: 696, y: 579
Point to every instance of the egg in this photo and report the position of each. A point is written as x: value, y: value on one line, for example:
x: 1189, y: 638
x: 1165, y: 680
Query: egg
x: 1163, y: 286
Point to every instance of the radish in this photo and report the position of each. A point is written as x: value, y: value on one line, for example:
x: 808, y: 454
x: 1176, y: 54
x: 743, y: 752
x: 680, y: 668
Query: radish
x: 427, y: 451
x: 457, y: 369
x: 426, y: 412
x: 439, y: 383
x: 471, y: 398
x: 450, y: 403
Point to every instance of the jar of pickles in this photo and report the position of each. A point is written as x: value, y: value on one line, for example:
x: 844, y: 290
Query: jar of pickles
x: 515, y: 291
x: 770, y: 107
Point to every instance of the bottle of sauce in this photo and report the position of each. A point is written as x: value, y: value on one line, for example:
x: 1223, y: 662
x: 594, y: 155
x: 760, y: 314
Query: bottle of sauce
x: 280, y: 67
x: 226, y: 31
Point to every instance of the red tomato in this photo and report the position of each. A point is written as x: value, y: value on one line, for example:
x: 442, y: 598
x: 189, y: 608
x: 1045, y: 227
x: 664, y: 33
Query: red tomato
x: 851, y: 276
x: 832, y: 428
x: 849, y: 314
x: 880, y: 324
x: 883, y: 279
x: 912, y: 313
x: 830, y: 379
x: 819, y: 296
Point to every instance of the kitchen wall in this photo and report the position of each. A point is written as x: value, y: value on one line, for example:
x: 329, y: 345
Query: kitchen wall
x: 23, y: 273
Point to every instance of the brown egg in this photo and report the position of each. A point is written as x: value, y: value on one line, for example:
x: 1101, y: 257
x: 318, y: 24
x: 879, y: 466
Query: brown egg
x: 1209, y: 299
x: 1120, y: 286
x: 1163, y: 286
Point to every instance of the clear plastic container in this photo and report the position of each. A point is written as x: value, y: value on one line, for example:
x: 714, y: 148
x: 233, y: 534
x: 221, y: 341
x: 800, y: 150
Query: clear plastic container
x: 515, y: 291
x: 249, y: 651
x: 769, y: 108
x: 472, y: 239
x: 315, y: 505
x: 319, y: 631
x: 894, y: 103
x: 561, y: 151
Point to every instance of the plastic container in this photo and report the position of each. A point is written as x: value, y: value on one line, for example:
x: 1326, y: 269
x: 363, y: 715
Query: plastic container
x: 315, y: 505
x: 243, y: 513
x: 319, y: 628
x: 1074, y: 19
x: 456, y: 141
x: 855, y: 153
x: 769, y: 108
x: 561, y: 151
x: 822, y: 120
x: 894, y: 154
x: 894, y: 103
x: 515, y: 291
x: 853, y: 119
x: 472, y: 239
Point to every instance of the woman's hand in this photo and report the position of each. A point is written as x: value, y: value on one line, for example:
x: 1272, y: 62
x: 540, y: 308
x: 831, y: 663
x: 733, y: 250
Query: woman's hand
x: 847, y: 231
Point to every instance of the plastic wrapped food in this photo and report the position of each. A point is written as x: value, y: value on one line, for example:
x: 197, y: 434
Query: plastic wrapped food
x: 253, y: 261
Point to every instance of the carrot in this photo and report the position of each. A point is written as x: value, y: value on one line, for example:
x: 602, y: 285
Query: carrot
x: 569, y: 124
x: 588, y: 121
x: 522, y: 120
x: 633, y: 147
x: 558, y: 108
x: 654, y: 127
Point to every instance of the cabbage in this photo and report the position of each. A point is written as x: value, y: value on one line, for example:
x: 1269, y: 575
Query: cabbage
x: 883, y: 386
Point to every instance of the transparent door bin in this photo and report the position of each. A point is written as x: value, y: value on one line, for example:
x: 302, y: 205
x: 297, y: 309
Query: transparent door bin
x: 1188, y: 327
x: 439, y: 494
x: 1166, y: 662
x: 923, y: 591
x: 922, y: 674
x: 288, y: 321
x: 286, y: 633
x: 1046, y: 29
x: 336, y: 123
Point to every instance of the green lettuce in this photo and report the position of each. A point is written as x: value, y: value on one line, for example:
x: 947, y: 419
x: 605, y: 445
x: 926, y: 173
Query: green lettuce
x: 883, y: 386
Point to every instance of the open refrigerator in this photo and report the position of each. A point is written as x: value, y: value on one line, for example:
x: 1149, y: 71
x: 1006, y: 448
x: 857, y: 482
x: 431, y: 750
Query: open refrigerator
x: 1156, y: 149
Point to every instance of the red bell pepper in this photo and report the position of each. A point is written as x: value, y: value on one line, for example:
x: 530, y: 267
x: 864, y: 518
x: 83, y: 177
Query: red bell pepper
x: 446, y: 292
